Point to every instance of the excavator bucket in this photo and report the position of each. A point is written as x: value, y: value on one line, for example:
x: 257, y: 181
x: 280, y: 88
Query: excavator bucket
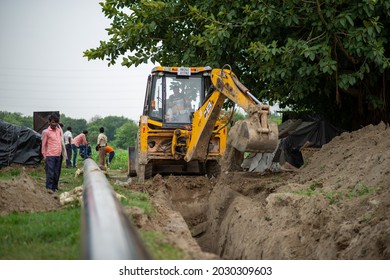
x: 255, y: 134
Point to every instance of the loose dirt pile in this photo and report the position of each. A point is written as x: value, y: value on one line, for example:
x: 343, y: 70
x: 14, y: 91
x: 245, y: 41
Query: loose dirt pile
x: 22, y: 194
x: 335, y: 207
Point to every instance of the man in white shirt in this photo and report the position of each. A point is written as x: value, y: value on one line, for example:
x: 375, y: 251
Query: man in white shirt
x: 68, y: 145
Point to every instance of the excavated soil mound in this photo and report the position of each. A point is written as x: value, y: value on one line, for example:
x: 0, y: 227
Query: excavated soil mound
x: 23, y: 194
x: 336, y: 207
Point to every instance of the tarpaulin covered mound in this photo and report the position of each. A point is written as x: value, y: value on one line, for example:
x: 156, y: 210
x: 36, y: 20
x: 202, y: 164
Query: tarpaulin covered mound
x: 299, y: 134
x: 19, y: 144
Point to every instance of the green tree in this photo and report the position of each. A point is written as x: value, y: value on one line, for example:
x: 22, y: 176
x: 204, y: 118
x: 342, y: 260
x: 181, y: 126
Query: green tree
x: 16, y: 119
x: 126, y: 135
x: 330, y: 56
x: 77, y: 125
x: 110, y: 124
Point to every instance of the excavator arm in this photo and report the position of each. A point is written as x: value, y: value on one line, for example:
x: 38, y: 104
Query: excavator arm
x: 254, y: 134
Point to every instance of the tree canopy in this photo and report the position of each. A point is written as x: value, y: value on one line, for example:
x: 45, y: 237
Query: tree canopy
x: 329, y: 56
x: 16, y: 119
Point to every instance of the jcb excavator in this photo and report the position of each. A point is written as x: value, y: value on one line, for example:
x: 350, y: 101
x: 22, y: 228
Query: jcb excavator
x: 182, y: 129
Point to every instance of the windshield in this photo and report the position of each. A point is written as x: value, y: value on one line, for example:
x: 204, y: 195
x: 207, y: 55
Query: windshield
x: 183, y: 97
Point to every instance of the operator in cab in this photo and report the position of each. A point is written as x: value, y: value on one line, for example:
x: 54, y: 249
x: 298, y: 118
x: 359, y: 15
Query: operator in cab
x: 178, y: 107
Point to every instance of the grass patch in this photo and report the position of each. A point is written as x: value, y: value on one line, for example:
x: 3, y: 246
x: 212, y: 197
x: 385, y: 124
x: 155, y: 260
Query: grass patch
x: 7, y: 174
x: 306, y: 192
x: 140, y: 200
x: 120, y: 160
x: 37, y: 173
x: 68, y: 181
x: 45, y: 236
x: 333, y: 197
x: 160, y: 250
x: 360, y: 189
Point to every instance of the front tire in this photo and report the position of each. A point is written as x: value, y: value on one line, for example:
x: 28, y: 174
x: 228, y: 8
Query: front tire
x: 148, y: 170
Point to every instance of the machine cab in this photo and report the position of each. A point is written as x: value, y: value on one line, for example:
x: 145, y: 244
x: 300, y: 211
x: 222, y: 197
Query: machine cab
x: 175, y: 93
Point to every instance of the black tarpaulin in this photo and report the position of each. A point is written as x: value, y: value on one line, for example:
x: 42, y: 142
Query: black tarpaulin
x: 317, y: 133
x: 19, y: 144
x: 311, y: 134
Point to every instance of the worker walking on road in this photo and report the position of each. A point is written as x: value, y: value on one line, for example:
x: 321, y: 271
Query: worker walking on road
x: 102, y: 143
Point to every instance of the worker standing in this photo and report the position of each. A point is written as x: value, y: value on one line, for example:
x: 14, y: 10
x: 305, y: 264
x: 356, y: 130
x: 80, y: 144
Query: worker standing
x: 68, y: 145
x: 102, y: 143
x: 53, y: 147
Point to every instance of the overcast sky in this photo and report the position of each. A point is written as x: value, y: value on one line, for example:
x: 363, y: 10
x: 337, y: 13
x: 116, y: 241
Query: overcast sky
x: 42, y: 67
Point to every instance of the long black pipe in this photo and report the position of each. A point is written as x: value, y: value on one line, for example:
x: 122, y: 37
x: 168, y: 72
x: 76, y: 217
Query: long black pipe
x: 107, y: 234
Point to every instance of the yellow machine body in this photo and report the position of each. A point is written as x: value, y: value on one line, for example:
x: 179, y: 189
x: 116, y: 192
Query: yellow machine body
x: 183, y: 128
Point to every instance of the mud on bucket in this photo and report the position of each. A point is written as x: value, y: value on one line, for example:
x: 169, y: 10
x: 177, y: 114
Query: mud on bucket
x: 248, y: 136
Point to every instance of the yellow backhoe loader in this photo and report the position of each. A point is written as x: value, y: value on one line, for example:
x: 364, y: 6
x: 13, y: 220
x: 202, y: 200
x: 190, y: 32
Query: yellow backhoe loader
x: 182, y: 128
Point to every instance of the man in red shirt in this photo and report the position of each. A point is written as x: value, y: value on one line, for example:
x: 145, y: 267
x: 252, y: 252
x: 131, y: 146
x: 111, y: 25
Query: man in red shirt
x: 79, y: 142
x: 53, y: 147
